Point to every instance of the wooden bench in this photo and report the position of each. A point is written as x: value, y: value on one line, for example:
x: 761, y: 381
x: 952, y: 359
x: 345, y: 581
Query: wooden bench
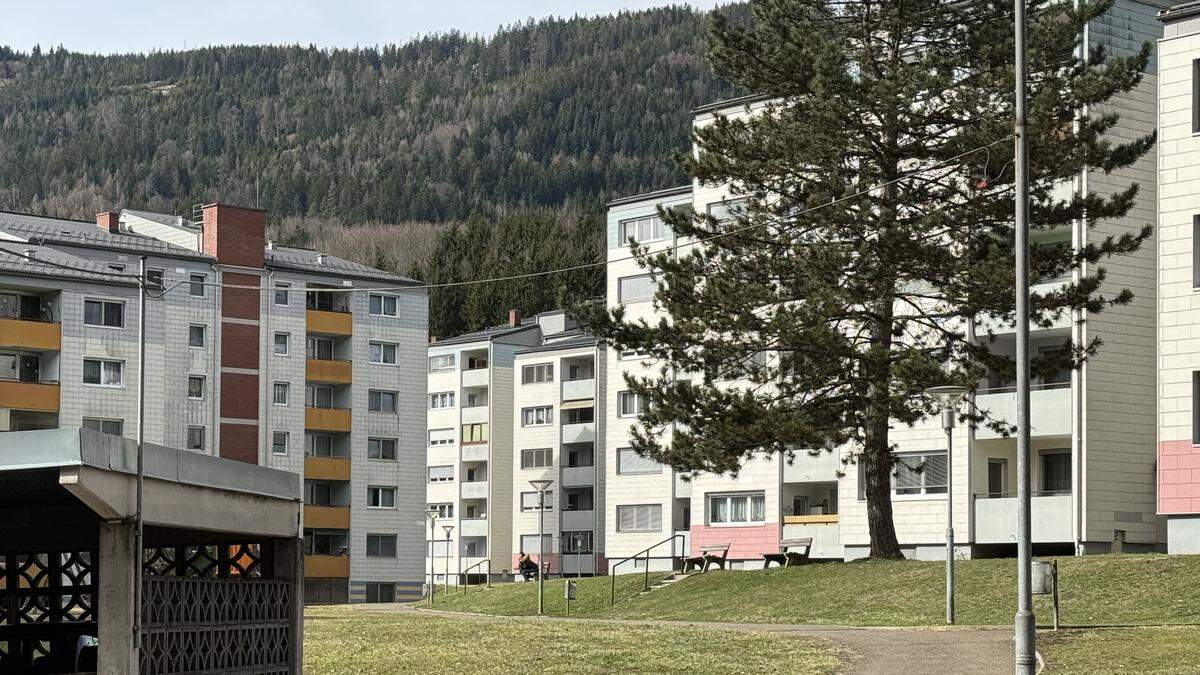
x: 785, y: 556
x: 708, y: 556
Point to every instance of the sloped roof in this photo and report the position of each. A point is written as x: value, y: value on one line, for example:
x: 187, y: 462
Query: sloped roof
x: 581, y: 340
x: 305, y: 260
x: 55, y: 264
x: 164, y: 218
x: 486, y: 334
x: 87, y: 234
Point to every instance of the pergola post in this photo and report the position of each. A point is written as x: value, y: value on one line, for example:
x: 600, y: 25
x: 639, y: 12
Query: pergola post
x: 289, y: 564
x: 116, y: 650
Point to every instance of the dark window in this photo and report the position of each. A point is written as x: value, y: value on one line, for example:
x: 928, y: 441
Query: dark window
x: 1196, y: 251
x: 381, y: 592
x: 1196, y: 96
x: 381, y: 545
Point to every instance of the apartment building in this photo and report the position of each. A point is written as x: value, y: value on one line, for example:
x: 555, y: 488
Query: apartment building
x: 225, y: 370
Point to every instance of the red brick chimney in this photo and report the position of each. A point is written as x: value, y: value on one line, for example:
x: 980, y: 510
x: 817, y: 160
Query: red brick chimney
x: 234, y: 235
x: 109, y: 220
x: 514, y: 317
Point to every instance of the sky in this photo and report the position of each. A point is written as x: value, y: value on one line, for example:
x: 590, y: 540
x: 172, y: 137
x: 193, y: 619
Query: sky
x: 120, y: 26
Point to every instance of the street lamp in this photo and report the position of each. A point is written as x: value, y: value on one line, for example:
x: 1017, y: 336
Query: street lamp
x: 447, y: 528
x: 432, y: 515
x: 540, y: 486
x: 948, y: 397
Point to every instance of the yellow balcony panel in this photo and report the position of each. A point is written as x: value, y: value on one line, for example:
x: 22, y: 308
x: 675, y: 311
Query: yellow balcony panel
x: 328, y: 323
x: 327, y: 468
x: 327, y: 419
x: 827, y: 519
x: 327, y: 517
x: 326, y: 566
x: 29, y: 396
x: 41, y: 335
x: 332, y: 372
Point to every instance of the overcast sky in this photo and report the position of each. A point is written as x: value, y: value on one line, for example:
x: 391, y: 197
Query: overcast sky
x: 140, y: 25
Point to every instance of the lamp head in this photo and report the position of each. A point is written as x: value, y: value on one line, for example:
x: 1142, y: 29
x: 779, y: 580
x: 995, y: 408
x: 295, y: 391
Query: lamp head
x: 431, y: 514
x: 948, y: 396
x: 447, y: 528
x: 541, y: 484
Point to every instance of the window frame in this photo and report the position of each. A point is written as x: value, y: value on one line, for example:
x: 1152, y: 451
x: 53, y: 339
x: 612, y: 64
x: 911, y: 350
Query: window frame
x: 283, y: 287
x: 547, y: 505
x: 532, y: 413
x: 203, y: 335
x: 195, y: 278
x: 538, y: 373
x: 287, y: 343
x: 621, y: 295
x: 440, y: 479
x: 287, y: 441
x: 440, y: 443
x: 445, y: 398
x: 451, y: 358
x: 620, y: 464
x: 373, y: 394
x: 372, y: 344
x: 639, y: 405
x: 381, y: 442
x: 650, y: 507
x: 380, y: 537
x: 445, y: 510
x: 749, y: 497
x: 105, y: 304
x: 286, y: 388
x: 379, y: 491
x: 188, y: 438
x: 100, y: 383
x: 546, y: 454
x: 623, y: 235
x: 924, y: 488
x: 203, y: 386
x: 101, y: 421
x: 383, y: 298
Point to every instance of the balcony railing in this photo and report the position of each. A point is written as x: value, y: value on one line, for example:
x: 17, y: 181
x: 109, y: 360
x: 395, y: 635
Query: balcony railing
x: 327, y: 419
x: 326, y: 566
x: 327, y: 468
x: 328, y: 322
x: 332, y: 371
x: 32, y: 396
x: 1049, y: 410
x: 20, y: 333
x: 996, y: 517
x: 327, y: 517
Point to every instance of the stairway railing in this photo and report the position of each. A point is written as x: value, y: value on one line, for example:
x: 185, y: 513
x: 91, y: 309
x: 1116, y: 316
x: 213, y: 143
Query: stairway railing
x: 675, y: 565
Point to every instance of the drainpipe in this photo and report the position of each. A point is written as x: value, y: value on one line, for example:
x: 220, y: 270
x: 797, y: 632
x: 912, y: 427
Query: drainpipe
x: 139, y: 517
x: 215, y: 359
x: 267, y: 339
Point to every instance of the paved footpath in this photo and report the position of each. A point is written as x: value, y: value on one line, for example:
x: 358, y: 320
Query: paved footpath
x: 866, y: 651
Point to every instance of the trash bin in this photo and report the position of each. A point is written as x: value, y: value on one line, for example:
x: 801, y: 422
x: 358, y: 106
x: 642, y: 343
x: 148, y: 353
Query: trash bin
x: 569, y: 592
x: 1043, y: 577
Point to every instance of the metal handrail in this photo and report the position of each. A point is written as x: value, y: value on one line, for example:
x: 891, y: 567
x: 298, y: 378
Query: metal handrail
x: 462, y: 574
x: 612, y: 595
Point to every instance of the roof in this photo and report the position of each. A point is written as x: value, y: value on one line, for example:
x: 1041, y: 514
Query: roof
x: 729, y: 103
x: 1179, y: 12
x: 164, y: 218
x: 87, y: 234
x: 647, y: 196
x: 305, y: 260
x: 54, y: 264
x: 583, y: 340
x: 486, y: 334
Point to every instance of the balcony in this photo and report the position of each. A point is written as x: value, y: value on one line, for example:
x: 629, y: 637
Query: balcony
x: 1049, y: 410
x: 327, y: 517
x: 33, y: 396
x: 584, y: 432
x: 29, y: 334
x: 477, y: 414
x: 578, y: 475
x: 328, y: 323
x: 327, y: 468
x: 683, y: 488
x: 476, y: 452
x: 475, y: 489
x: 578, y: 390
x: 996, y: 518
x: 578, y: 520
x: 326, y: 566
x: 473, y: 527
x: 327, y: 419
x: 328, y: 371
x: 806, y: 468
x: 984, y: 324
x: 823, y: 530
x: 475, y: 377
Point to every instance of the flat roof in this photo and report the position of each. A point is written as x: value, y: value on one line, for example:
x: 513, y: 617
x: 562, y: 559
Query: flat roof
x: 1179, y: 12
x: 647, y: 196
x: 729, y: 103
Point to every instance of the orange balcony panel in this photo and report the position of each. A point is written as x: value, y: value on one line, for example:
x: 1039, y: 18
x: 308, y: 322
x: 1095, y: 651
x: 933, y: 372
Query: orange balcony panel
x: 327, y: 468
x: 327, y: 517
x: 30, y: 335
x: 326, y: 566
x: 327, y: 419
x: 332, y: 372
x: 29, y: 396
x: 329, y: 323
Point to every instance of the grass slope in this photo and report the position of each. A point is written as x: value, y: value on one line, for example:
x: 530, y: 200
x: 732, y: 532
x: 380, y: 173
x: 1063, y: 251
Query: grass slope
x: 1095, y: 590
x: 343, y: 640
x: 1160, y: 650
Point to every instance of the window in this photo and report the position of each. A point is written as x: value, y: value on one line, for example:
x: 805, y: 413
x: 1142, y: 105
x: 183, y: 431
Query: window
x: 578, y: 541
x: 442, y: 399
x: 631, y: 463
x: 104, y: 313
x: 116, y: 268
x: 383, y: 305
x: 441, y: 437
x: 438, y: 364
x: 381, y: 448
x: 279, y: 443
x: 1056, y: 472
x: 114, y: 427
x: 1196, y: 96
x: 280, y: 395
x: 638, y: 288
x: 737, y: 509
x: 578, y: 415
x: 630, y: 404
x: 475, y: 433
x: 381, y: 497
x: 383, y: 352
x: 318, y: 445
x: 381, y: 545
x: 444, y: 509
x: 324, y: 543
x: 1195, y: 237
x: 639, y: 518
x: 441, y: 474
x: 538, y: 372
x: 997, y: 477
x: 320, y: 349
x: 283, y: 344
x: 537, y: 458
x: 197, y: 335
x: 103, y: 373
x: 380, y: 592
x: 195, y: 387
x: 1196, y: 407
x: 281, y: 293
x: 381, y: 401
x: 726, y: 212
x: 319, y: 300
x: 318, y: 395
x: 196, y: 285
x: 641, y: 230
x: 921, y: 473
x: 536, y: 417
x: 531, y: 544
x: 195, y: 438
x: 154, y: 277
x: 317, y: 493
x: 636, y: 353
x: 529, y: 501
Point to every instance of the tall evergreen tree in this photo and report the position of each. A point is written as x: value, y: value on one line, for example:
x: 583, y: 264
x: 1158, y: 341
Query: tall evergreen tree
x: 878, y: 222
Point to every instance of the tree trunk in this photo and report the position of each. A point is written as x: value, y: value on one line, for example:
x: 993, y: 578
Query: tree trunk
x: 876, y: 465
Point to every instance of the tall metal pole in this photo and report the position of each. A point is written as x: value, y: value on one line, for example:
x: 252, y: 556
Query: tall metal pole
x: 447, y: 528
x: 541, y: 548
x: 141, y: 473
x: 1023, y: 622
x: 432, y: 538
x: 948, y: 424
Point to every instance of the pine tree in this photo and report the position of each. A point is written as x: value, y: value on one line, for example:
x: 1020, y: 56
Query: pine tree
x: 877, y: 223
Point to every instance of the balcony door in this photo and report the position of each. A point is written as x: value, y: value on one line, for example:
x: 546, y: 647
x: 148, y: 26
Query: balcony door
x: 997, y: 477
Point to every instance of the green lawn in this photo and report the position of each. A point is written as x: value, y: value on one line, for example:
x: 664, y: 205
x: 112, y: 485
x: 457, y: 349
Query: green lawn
x: 1170, y: 649
x: 1095, y: 590
x: 344, y: 640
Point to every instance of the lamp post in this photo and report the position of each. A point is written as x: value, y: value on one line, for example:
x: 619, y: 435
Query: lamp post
x: 948, y: 397
x: 540, y: 486
x: 432, y: 515
x: 447, y: 528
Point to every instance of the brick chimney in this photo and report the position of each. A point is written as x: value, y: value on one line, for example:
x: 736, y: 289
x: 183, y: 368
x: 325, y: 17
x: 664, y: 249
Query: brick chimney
x: 514, y: 317
x: 109, y: 220
x: 234, y: 235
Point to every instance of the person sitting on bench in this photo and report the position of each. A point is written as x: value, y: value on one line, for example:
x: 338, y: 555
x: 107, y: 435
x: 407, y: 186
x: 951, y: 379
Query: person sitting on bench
x: 526, y: 566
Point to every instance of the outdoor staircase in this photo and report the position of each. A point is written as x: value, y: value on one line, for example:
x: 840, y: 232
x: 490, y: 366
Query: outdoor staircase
x: 667, y: 581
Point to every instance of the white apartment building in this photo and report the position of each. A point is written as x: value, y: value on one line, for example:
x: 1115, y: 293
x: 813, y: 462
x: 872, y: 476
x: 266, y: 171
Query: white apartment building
x: 315, y: 383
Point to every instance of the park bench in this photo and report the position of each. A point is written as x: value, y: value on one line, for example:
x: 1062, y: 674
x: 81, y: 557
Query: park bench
x: 785, y: 556
x: 708, y: 556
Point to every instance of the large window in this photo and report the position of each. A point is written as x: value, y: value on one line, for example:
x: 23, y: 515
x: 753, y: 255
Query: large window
x: 629, y: 462
x: 536, y: 417
x: 443, y: 509
x: 441, y: 437
x: 742, y: 508
x: 531, y: 545
x: 1056, y: 472
x: 922, y: 473
x: 381, y: 545
x: 318, y: 395
x: 529, y: 501
x: 113, y: 427
x: 475, y: 433
x: 381, y: 448
x: 641, y: 230
x: 639, y: 288
x: 537, y: 458
x: 105, y: 313
x: 630, y: 404
x: 538, y: 372
x: 381, y: 497
x: 103, y: 373
x: 383, y: 305
x: 317, y: 493
x: 726, y: 212
x: 439, y: 364
x: 383, y: 353
x: 318, y: 445
x: 381, y: 401
x: 639, y: 518
x: 320, y: 349
x: 441, y: 399
x: 441, y: 474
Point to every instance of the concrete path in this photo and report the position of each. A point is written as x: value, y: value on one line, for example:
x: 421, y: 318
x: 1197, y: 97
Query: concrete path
x: 865, y: 651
